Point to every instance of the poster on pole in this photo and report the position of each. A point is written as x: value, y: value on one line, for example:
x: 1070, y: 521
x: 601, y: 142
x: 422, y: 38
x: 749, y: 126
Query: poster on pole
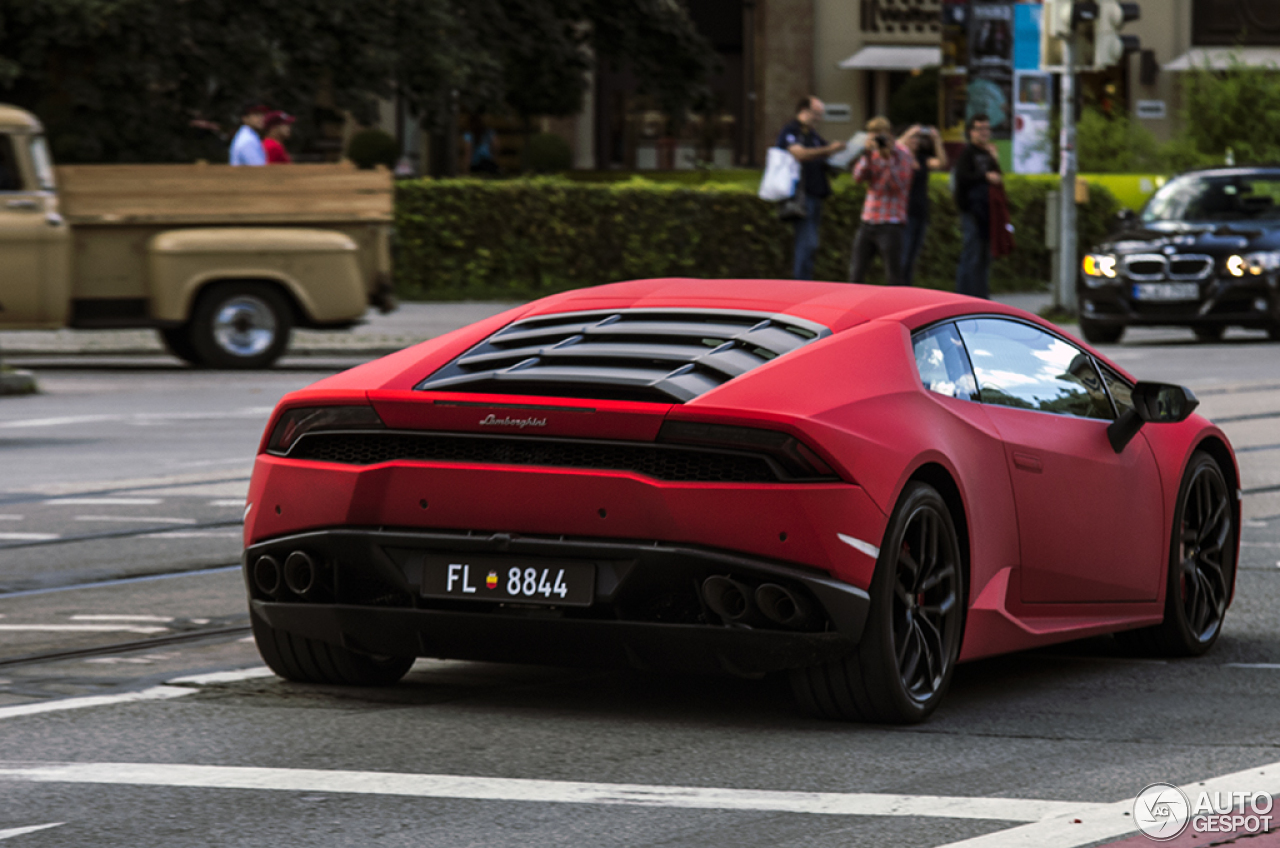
x: 1033, y: 94
x: 1031, y: 118
x: 990, y: 88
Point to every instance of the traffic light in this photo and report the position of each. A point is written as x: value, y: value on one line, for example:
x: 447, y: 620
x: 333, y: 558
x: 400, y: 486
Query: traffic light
x: 1055, y: 25
x: 1109, y: 46
x: 1061, y: 20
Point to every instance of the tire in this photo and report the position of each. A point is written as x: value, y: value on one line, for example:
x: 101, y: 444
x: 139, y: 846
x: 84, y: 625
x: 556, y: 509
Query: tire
x: 240, y: 325
x: 308, y: 660
x: 1273, y: 332
x: 1095, y: 333
x: 902, y: 667
x: 1201, y: 567
x: 177, y: 340
x: 1209, y: 333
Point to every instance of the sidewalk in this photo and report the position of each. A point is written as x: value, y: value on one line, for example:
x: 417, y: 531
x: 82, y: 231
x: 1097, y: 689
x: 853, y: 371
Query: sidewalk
x: 378, y: 336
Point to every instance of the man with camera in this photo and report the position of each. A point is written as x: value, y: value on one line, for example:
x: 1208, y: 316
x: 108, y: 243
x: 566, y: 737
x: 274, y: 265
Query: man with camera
x: 886, y: 167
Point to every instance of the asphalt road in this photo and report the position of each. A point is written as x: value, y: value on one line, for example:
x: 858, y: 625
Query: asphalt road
x: 133, y: 709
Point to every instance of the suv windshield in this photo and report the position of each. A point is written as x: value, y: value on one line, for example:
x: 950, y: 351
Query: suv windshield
x: 1197, y: 197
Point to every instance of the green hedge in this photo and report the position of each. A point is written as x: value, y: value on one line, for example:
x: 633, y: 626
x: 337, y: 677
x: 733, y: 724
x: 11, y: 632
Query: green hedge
x: 520, y: 239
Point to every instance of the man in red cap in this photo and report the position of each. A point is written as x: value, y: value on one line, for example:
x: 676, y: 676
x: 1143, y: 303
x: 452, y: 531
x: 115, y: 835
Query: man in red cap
x: 278, y: 126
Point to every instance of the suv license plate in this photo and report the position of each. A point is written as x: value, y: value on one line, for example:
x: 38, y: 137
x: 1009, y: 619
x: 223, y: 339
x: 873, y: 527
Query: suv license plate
x: 549, y: 582
x: 1166, y: 291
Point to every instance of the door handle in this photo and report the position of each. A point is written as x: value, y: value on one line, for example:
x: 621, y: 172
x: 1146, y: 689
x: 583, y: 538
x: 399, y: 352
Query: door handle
x: 23, y: 203
x: 1027, y: 462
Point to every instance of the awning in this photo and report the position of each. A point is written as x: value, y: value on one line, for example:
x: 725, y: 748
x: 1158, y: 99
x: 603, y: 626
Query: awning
x: 892, y: 57
x: 1219, y: 58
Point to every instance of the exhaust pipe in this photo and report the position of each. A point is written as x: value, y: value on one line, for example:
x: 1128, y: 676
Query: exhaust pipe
x: 266, y: 576
x: 301, y: 574
x: 781, y: 606
x: 728, y: 599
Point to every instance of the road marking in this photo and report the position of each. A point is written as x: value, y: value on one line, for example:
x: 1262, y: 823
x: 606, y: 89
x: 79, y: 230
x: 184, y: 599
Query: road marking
x: 195, y: 534
x: 105, y: 501
x: 177, y: 688
x: 19, y: 831
x: 162, y: 619
x: 28, y: 537
x: 134, y: 519
x: 152, y: 694
x: 236, y: 502
x: 233, y: 676
x: 538, y: 791
x: 81, y: 628
x: 1252, y: 665
x: 1093, y: 823
x: 12, y: 517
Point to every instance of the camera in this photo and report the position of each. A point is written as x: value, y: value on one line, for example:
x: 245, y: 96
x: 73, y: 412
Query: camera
x: 883, y: 141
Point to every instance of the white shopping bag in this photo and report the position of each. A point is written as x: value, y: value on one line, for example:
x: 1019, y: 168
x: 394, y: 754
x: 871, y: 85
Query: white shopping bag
x: 781, y: 172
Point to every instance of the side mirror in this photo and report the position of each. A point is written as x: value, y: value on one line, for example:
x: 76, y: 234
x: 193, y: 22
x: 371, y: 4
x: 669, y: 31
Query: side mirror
x: 1158, y: 403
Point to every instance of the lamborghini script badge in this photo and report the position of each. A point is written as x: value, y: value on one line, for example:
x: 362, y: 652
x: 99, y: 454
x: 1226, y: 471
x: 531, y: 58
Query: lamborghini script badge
x: 492, y: 420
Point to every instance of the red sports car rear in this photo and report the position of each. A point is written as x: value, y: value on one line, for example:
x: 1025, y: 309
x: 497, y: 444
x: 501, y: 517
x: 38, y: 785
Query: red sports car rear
x: 731, y: 476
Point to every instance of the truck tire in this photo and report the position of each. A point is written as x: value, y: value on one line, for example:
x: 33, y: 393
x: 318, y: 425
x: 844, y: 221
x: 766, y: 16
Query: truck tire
x: 240, y: 325
x: 177, y: 340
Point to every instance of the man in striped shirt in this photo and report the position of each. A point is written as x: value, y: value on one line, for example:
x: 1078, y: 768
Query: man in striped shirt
x: 885, y: 166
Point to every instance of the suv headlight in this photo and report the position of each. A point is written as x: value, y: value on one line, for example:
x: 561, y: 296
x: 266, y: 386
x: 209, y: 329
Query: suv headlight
x: 1253, y: 264
x: 1098, y: 268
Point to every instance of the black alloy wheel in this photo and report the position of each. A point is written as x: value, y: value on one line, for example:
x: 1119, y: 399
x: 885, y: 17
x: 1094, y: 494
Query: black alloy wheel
x: 1201, y: 566
x: 903, y: 666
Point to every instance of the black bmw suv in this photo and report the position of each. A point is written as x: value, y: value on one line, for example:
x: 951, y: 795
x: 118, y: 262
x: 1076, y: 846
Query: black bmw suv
x: 1204, y: 254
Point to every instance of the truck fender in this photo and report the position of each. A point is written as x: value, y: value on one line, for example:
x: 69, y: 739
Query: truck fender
x: 318, y: 269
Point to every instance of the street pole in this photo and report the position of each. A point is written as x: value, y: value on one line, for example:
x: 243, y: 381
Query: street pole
x: 1065, y: 298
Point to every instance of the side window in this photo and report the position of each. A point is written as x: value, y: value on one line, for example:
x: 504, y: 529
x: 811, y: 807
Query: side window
x: 1121, y: 392
x: 943, y: 364
x: 1022, y: 366
x: 10, y: 175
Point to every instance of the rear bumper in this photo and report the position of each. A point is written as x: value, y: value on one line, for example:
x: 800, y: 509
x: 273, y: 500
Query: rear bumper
x: 647, y: 611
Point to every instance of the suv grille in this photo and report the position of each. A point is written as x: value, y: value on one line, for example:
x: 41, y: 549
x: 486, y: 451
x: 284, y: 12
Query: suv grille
x: 659, y: 355
x: 663, y: 462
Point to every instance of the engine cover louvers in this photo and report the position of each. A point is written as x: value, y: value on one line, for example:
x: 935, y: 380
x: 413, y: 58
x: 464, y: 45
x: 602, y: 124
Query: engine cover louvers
x: 660, y: 355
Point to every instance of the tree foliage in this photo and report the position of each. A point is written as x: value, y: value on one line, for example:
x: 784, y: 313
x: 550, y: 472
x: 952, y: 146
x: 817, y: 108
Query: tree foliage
x: 121, y: 80
x: 1236, y: 109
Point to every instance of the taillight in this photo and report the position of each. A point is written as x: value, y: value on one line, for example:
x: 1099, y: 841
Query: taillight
x: 296, y: 423
x: 796, y: 459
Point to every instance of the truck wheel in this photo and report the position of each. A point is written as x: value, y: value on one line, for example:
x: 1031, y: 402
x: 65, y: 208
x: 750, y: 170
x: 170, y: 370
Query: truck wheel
x: 240, y: 325
x: 177, y: 340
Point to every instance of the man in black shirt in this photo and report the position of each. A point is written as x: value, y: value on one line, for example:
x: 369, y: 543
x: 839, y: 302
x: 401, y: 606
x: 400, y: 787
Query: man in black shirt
x: 801, y: 140
x: 977, y: 169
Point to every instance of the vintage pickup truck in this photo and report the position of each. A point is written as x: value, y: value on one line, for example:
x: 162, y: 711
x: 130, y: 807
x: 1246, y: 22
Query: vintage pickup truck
x: 223, y: 262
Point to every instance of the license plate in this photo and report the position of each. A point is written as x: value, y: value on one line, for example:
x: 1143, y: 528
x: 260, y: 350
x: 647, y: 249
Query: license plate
x: 1166, y: 291
x: 530, y: 580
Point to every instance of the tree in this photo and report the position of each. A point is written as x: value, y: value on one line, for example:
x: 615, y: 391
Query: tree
x: 121, y: 80
x: 1236, y: 109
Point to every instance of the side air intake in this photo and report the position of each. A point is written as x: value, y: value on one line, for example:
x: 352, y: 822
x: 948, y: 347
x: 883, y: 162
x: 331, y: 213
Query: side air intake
x: 660, y: 355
